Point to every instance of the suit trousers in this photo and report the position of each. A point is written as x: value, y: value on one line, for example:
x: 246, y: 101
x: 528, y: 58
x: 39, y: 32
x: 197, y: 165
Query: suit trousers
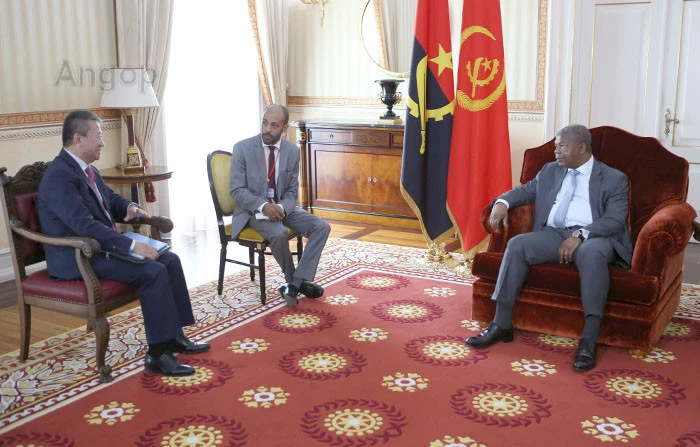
x: 591, y: 258
x: 312, y: 227
x: 165, y: 300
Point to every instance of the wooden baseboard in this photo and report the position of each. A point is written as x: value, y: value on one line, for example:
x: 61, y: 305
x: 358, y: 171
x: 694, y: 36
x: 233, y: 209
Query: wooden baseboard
x: 8, y: 294
x: 367, y: 218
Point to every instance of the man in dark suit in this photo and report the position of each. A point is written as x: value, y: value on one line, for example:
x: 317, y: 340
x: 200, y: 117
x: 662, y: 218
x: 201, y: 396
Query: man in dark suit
x: 580, y: 218
x: 75, y: 201
x: 264, y: 184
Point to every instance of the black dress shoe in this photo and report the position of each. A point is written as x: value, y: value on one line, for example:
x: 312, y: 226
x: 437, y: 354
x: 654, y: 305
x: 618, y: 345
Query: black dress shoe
x: 288, y: 295
x: 311, y: 290
x: 184, y: 345
x: 492, y: 334
x: 585, y: 356
x: 168, y: 365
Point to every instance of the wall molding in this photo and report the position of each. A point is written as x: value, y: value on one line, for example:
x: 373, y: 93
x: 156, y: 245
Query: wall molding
x: 336, y: 101
x: 33, y: 119
x: 333, y: 101
x: 7, y: 271
x: 48, y: 130
x: 528, y: 117
x: 338, y: 112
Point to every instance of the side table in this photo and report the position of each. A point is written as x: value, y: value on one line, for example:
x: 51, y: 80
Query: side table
x: 116, y: 176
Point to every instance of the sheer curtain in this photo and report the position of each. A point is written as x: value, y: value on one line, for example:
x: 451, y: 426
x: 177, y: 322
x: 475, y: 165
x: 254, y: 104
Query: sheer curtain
x: 212, y: 100
x: 270, y: 23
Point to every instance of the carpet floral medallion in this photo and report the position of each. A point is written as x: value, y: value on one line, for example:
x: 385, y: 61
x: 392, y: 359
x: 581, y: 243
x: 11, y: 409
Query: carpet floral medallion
x: 378, y: 360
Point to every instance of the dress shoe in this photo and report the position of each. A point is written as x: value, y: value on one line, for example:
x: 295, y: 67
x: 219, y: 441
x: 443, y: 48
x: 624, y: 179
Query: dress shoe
x: 288, y: 295
x: 184, y: 345
x: 168, y: 365
x: 492, y: 334
x: 585, y: 356
x: 311, y: 290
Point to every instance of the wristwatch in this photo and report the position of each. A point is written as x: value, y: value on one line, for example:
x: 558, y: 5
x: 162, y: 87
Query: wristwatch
x: 579, y: 234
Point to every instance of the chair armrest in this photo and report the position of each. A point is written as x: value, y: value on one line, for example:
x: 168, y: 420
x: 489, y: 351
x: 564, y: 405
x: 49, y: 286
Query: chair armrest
x: 520, y: 220
x: 162, y: 223
x: 85, y: 248
x: 665, y: 234
x: 88, y: 246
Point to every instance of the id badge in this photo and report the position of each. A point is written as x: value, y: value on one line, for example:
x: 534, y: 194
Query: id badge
x: 270, y: 193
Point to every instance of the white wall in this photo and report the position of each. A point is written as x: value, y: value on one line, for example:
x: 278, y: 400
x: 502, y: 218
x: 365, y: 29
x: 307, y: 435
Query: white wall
x: 52, y: 54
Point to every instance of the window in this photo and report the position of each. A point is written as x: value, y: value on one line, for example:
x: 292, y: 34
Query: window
x: 212, y: 100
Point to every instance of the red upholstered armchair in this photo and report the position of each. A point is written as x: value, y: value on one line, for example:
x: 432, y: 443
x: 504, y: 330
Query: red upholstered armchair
x: 642, y: 299
x: 89, y: 297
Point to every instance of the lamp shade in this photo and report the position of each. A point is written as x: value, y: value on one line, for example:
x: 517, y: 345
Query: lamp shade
x: 128, y: 88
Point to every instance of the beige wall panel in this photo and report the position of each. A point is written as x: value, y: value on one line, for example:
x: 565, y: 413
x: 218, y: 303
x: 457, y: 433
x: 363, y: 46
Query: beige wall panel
x: 52, y: 53
x: 524, y: 134
x: 520, y: 18
x: 330, y: 60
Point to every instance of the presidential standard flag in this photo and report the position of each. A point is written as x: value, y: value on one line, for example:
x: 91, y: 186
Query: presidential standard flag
x: 479, y: 167
x: 428, y: 126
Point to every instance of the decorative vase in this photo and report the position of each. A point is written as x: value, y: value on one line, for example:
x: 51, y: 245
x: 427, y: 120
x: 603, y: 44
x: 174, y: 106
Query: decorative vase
x: 389, y: 97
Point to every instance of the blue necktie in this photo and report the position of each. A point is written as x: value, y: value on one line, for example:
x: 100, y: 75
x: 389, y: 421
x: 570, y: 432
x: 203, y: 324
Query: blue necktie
x: 567, y: 196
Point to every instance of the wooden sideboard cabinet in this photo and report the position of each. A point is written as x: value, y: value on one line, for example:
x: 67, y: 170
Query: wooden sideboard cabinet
x: 352, y: 171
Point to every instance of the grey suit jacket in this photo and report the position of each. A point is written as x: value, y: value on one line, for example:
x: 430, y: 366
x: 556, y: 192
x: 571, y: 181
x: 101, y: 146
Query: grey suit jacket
x: 249, y: 179
x: 608, y: 195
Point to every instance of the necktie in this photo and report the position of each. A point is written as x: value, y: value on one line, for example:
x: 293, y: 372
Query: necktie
x: 566, y: 197
x: 271, y: 174
x: 91, y: 178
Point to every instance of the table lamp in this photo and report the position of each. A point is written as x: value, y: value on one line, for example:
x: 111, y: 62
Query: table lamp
x: 128, y: 88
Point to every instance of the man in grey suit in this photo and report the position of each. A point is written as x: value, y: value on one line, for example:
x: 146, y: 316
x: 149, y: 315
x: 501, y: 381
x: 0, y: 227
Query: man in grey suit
x: 264, y: 184
x: 580, y: 218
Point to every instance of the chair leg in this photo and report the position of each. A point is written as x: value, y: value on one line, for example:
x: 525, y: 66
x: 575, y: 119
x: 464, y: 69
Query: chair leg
x: 261, y: 264
x: 222, y: 266
x: 25, y: 323
x: 251, y: 259
x: 101, y: 327
x: 300, y: 248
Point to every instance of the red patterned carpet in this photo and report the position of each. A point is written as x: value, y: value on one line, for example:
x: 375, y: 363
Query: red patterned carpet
x: 379, y: 360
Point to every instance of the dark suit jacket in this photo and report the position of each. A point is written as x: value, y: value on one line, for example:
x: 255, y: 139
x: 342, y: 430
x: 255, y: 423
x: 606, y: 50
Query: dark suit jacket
x: 68, y: 206
x: 608, y: 197
x: 249, y: 179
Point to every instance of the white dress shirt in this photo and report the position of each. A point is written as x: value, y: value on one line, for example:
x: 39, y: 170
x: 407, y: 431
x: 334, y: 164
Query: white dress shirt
x: 579, y: 212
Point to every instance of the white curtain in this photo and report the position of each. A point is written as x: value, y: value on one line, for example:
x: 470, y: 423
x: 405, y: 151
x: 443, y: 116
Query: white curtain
x: 143, y: 41
x: 212, y: 100
x: 270, y: 23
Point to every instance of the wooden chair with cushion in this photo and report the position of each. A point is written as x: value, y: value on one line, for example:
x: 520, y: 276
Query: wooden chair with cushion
x: 643, y: 298
x: 89, y: 297
x: 219, y: 172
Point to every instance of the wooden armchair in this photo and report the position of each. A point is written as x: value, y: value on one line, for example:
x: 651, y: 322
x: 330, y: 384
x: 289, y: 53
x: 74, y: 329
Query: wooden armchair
x: 90, y: 297
x: 642, y: 299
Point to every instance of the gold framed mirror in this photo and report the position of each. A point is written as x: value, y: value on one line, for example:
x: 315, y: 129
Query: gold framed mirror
x: 387, y: 29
